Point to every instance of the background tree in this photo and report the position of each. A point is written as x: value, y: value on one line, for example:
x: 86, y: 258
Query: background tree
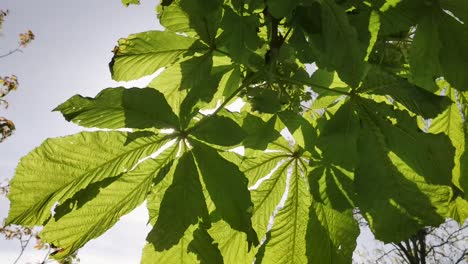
x: 376, y: 85
x: 446, y: 243
x: 23, y: 235
x: 10, y: 83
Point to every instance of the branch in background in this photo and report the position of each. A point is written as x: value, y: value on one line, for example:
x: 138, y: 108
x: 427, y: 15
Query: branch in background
x: 25, y: 39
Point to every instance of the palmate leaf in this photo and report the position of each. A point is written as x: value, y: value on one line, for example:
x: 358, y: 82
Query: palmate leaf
x: 120, y: 108
x: 144, y: 53
x: 284, y: 214
x: 210, y: 205
x: 61, y: 167
x: 193, y: 242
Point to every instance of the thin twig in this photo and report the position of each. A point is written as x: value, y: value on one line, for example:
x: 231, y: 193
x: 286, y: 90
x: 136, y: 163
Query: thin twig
x: 18, y: 49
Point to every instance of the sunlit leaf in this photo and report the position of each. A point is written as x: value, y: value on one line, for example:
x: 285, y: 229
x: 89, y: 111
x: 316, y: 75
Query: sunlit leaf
x: 120, y: 108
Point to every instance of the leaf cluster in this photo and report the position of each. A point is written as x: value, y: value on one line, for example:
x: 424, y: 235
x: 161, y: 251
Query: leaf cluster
x: 379, y: 125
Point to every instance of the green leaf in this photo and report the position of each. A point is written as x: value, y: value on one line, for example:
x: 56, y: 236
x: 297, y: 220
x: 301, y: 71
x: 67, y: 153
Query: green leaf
x: 403, y: 202
x: 259, y: 132
x: 204, y: 17
x: 417, y: 100
x: 337, y: 41
x: 286, y: 241
x: 280, y: 9
x: 454, y: 55
x: 176, y: 217
x: 302, y: 131
x: 424, y: 53
x: 331, y: 235
x: 338, y: 139
x: 120, y: 108
x: 232, y: 244
x: 227, y: 187
x: 60, y: 167
x: 193, y: 75
x: 220, y: 130
x: 173, y: 18
x: 144, y: 53
x: 231, y: 81
x: 196, y: 246
x: 374, y: 28
x: 438, y: 48
x: 332, y: 186
x: 267, y: 175
x: 451, y: 122
x: 459, y: 210
x: 265, y: 100
x: 91, y: 219
x: 239, y: 37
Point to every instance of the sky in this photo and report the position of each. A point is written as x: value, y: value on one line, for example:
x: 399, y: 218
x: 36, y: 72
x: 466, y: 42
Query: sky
x: 70, y: 55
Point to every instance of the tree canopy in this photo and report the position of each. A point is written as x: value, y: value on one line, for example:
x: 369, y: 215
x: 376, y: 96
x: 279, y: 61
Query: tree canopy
x: 379, y: 125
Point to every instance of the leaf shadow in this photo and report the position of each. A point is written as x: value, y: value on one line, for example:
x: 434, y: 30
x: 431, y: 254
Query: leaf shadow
x: 80, y: 198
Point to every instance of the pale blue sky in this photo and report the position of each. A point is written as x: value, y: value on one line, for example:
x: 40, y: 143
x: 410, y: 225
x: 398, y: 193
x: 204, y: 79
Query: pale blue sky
x: 70, y: 55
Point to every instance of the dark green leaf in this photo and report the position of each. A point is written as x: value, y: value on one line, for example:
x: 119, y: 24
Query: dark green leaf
x: 239, y: 37
x: 183, y: 204
x: 120, y: 108
x: 204, y: 16
x: 259, y: 132
x: 336, y: 39
x: 331, y: 235
x: 392, y: 193
x: 220, y: 130
x: 416, y: 99
x: 338, y: 139
x: 227, y: 187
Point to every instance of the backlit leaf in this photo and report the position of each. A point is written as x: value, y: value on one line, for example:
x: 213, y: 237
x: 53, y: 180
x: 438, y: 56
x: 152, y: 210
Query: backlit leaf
x: 120, y: 108
x: 144, y: 53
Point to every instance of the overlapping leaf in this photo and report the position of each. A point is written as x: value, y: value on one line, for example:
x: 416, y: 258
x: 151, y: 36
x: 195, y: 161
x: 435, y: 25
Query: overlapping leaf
x: 405, y: 196
x: 340, y: 48
x: 86, y: 221
x: 144, y: 53
x: 120, y: 108
x: 282, y: 202
x: 438, y: 48
x: 61, y: 167
x: 417, y: 100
